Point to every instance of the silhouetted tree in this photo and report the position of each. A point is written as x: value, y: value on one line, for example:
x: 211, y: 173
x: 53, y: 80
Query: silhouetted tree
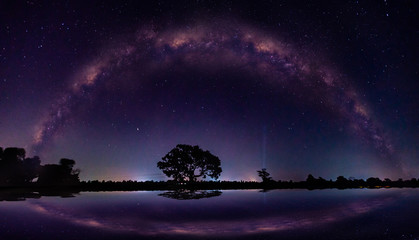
x: 16, y: 170
x: 186, y: 162
x: 312, y: 182
x: 374, y: 182
x: 11, y: 166
x: 264, y: 175
x: 342, y: 181
x: 14, y: 155
x: 310, y: 179
x: 2, y: 168
x: 31, y: 168
x: 59, y: 174
x: 68, y: 164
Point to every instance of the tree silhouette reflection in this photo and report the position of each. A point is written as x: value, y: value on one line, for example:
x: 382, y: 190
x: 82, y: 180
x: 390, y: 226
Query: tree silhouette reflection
x: 184, y: 194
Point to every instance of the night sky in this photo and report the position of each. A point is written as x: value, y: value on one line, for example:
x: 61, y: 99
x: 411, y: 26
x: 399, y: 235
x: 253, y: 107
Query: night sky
x: 322, y: 87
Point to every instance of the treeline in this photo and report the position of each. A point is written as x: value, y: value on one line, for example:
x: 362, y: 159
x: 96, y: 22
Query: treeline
x: 18, y: 170
x: 372, y: 182
x: 310, y: 183
x: 340, y: 183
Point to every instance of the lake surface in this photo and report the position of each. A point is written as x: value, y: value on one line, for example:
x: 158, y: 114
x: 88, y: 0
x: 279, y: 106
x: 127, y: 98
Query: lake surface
x: 234, y: 214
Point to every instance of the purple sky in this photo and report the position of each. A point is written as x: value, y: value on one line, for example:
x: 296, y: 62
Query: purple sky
x: 297, y: 88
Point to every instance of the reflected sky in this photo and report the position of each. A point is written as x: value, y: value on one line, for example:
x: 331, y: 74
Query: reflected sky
x: 231, y: 214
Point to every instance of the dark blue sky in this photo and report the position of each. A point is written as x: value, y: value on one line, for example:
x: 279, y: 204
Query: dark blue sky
x: 321, y: 87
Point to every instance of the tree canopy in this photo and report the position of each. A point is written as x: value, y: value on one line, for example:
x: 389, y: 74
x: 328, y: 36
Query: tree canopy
x: 187, y: 163
x: 16, y: 169
x: 264, y: 175
x: 61, y: 174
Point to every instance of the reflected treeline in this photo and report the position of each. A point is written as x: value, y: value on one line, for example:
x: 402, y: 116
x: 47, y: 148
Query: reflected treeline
x: 18, y: 170
x: 21, y: 194
x: 184, y: 194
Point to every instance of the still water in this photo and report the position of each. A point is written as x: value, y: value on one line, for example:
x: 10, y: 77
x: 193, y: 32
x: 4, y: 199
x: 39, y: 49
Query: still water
x: 235, y: 214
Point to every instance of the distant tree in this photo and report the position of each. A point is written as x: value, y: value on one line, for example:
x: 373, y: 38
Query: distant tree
x: 31, y: 168
x: 59, y: 174
x: 264, y: 175
x: 3, y: 169
x: 68, y: 164
x: 17, y: 170
x: 14, y: 155
x: 11, y: 166
x: 341, y: 180
x: 310, y: 179
x: 187, y: 163
x: 373, y: 182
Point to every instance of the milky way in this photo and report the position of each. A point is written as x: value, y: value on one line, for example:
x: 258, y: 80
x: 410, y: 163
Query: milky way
x: 211, y: 46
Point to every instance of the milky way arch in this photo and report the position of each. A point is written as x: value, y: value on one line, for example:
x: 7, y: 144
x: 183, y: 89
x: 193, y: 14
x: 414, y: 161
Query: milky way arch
x: 211, y: 45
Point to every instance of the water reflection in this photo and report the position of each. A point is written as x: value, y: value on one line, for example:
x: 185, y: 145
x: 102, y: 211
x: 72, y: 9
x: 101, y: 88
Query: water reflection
x: 231, y: 214
x: 184, y: 194
x: 22, y: 195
